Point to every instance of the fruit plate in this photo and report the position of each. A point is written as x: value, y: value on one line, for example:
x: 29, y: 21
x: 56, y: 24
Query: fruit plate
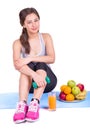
x: 74, y: 101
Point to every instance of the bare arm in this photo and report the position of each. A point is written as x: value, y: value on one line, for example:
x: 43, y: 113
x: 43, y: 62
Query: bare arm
x: 16, y: 52
x: 48, y: 58
x: 23, y: 68
x: 21, y: 63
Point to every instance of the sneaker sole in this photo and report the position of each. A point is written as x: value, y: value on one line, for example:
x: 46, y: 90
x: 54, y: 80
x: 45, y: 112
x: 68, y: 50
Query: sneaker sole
x: 19, y: 121
x: 31, y: 120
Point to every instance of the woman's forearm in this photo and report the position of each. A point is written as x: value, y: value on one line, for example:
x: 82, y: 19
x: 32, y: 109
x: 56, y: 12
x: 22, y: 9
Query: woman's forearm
x: 45, y: 59
x: 27, y: 71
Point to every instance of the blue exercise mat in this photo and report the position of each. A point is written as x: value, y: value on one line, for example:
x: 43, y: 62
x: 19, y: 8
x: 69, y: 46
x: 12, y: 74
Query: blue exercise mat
x: 9, y: 100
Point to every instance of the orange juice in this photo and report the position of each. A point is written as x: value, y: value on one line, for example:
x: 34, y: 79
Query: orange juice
x: 52, y: 101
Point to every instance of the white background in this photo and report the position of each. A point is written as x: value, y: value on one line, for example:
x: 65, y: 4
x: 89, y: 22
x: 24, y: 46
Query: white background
x: 68, y: 21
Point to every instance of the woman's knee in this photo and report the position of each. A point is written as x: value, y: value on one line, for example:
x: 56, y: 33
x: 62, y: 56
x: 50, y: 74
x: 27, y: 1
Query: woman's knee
x: 41, y: 65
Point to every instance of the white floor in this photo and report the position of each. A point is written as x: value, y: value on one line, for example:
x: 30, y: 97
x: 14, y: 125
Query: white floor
x: 61, y: 119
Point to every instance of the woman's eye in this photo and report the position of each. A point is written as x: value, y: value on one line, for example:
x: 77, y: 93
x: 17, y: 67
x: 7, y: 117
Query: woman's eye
x: 36, y: 20
x: 30, y: 22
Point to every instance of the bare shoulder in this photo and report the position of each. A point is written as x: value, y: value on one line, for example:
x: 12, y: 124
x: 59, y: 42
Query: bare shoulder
x: 17, y: 43
x: 47, y: 37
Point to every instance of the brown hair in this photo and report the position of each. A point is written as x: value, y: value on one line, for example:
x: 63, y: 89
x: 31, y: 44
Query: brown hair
x: 24, y: 36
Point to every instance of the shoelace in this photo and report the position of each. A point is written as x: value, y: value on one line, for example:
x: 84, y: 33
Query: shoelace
x: 20, y: 108
x: 33, y: 106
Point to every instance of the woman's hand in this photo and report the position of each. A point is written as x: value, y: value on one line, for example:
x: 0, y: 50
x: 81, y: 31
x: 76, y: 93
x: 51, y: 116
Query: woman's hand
x: 40, y: 80
x: 21, y: 62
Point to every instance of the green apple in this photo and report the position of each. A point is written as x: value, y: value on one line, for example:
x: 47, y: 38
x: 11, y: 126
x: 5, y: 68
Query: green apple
x: 75, y: 90
x: 71, y: 83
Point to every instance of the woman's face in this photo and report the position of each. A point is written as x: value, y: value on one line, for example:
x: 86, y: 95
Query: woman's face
x: 32, y: 23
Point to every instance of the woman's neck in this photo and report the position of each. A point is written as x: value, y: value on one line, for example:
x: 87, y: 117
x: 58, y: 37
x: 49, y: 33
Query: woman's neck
x: 33, y: 36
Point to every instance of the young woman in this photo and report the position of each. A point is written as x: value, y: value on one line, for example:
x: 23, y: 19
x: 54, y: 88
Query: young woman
x: 32, y: 54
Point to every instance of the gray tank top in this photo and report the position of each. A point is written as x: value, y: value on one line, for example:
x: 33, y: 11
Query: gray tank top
x: 43, y: 50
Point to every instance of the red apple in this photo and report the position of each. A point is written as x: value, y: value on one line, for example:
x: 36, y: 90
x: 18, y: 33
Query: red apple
x: 62, y: 96
x: 81, y: 86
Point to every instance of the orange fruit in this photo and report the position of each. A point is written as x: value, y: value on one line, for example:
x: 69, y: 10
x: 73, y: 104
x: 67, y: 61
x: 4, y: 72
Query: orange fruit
x: 63, y: 87
x: 67, y: 90
x: 70, y: 97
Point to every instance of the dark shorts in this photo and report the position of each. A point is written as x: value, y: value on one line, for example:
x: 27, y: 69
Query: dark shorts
x: 53, y: 79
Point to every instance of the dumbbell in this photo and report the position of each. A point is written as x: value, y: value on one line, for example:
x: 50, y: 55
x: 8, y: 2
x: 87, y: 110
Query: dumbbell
x: 34, y: 84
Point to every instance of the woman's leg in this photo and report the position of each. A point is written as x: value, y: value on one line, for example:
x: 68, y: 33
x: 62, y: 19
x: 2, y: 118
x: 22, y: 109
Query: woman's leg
x: 24, y: 87
x: 33, y: 111
x: 53, y: 80
x: 39, y: 91
x: 22, y: 107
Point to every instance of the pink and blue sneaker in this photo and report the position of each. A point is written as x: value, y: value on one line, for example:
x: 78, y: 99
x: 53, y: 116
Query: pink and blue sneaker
x: 20, y: 113
x: 33, y: 111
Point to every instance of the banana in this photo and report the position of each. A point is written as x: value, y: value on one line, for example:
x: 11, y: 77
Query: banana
x: 81, y: 95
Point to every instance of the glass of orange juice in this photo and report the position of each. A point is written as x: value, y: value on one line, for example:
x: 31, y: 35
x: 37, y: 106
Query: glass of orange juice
x: 52, y: 101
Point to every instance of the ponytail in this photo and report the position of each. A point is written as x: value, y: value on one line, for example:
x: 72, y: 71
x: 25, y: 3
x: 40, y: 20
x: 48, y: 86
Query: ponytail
x: 24, y: 40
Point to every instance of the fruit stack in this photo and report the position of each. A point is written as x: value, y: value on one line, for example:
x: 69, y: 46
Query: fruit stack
x: 72, y: 91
